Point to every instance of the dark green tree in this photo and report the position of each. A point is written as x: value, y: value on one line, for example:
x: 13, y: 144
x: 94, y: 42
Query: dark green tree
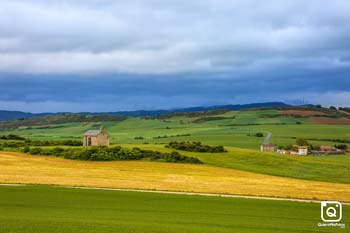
x: 302, y: 142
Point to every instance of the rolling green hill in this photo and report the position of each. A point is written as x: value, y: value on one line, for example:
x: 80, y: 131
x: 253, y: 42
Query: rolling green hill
x: 13, y: 115
x: 48, y: 121
x: 230, y: 128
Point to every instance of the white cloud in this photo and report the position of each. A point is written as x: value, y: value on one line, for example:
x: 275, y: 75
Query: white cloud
x: 154, y: 36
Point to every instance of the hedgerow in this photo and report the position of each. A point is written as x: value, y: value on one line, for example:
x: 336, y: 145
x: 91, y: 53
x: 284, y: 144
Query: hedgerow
x: 14, y: 141
x: 111, y: 154
x: 195, y: 147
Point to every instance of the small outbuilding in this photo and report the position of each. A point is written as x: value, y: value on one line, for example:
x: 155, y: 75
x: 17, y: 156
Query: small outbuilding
x: 267, y: 147
x: 96, y: 137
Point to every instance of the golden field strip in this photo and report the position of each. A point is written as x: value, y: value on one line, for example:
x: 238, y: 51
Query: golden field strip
x: 26, y: 169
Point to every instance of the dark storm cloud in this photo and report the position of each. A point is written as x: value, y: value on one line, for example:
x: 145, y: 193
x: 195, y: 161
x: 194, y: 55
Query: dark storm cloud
x: 108, y: 55
x: 129, y: 92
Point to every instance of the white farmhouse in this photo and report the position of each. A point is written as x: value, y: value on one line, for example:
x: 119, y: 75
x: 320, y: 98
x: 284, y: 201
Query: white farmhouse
x: 303, y: 150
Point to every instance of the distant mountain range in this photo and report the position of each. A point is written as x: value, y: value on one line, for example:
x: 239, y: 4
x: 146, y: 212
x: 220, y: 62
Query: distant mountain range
x: 12, y: 115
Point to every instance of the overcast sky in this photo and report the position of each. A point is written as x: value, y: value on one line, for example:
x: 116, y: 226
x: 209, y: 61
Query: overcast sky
x: 110, y: 55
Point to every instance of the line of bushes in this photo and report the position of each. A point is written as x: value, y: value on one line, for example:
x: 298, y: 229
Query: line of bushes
x: 11, y: 137
x: 215, y: 118
x: 189, y: 114
x: 326, y: 139
x: 195, y: 147
x: 27, y: 142
x: 172, y: 136
x: 111, y: 154
x: 249, y: 124
x: 258, y: 135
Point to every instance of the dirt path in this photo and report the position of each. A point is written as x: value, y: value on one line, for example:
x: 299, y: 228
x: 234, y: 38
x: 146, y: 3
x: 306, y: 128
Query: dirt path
x: 267, y: 139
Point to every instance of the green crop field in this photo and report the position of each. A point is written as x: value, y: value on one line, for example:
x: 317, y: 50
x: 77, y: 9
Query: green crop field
x: 42, y: 209
x: 238, y: 131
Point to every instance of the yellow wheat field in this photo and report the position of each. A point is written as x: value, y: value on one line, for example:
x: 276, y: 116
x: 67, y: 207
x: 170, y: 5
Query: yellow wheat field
x: 27, y: 169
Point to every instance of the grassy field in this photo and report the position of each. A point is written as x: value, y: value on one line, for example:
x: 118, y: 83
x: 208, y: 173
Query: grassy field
x: 230, y: 132
x: 41, y: 209
x: 322, y: 168
x: 240, y: 171
x: 26, y: 169
x: 319, y: 168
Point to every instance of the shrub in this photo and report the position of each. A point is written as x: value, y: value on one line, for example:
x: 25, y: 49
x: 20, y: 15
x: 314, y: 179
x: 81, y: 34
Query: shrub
x: 57, y: 151
x: 287, y: 147
x: 259, y: 135
x: 195, y: 147
x: 341, y: 146
x: 26, y: 149
x: 315, y: 147
x: 13, y: 144
x: 35, y: 151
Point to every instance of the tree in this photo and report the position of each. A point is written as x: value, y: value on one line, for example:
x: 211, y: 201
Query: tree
x: 26, y: 149
x: 341, y: 146
x: 302, y: 142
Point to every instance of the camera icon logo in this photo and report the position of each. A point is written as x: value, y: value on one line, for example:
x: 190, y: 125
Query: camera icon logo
x: 331, y: 211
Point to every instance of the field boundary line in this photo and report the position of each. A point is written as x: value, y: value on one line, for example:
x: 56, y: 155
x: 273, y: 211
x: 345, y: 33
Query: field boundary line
x: 13, y: 185
x: 204, y: 194
x: 181, y: 193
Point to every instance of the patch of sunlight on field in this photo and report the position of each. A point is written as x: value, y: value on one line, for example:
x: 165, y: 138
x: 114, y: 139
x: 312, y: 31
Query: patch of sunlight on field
x: 320, y: 168
x: 26, y: 169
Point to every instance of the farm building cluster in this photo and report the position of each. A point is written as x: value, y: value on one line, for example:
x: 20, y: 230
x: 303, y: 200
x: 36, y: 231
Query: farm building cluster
x: 303, y: 150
